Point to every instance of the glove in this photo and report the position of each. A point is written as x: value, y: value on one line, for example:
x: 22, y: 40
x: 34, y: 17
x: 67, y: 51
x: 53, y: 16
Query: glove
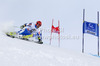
x: 23, y: 26
x: 32, y: 30
x: 39, y: 39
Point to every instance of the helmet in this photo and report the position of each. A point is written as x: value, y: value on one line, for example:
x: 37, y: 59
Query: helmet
x: 39, y: 23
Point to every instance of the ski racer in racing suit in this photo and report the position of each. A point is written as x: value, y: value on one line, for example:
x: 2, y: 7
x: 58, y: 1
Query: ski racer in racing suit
x: 31, y: 28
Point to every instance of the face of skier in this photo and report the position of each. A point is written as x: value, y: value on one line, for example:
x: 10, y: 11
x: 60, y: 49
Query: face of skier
x: 38, y: 25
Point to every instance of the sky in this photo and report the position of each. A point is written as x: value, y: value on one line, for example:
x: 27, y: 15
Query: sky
x: 68, y: 12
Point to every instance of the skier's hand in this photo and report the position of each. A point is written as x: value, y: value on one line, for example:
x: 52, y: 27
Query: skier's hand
x: 33, y: 29
x: 39, y: 38
x: 23, y: 26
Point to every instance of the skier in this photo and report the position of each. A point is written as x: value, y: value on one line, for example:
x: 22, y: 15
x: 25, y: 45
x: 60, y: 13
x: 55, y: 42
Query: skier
x: 31, y: 28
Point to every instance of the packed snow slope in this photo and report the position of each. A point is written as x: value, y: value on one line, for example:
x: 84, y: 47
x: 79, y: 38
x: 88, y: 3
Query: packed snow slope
x: 16, y: 52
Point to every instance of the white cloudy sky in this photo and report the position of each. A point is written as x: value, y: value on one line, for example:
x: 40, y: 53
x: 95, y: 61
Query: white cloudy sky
x: 69, y: 12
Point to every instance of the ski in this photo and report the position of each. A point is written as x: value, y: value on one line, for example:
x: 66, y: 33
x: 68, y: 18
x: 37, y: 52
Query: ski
x: 12, y: 35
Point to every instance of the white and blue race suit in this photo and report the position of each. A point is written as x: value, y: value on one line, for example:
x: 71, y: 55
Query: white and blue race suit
x: 29, y: 29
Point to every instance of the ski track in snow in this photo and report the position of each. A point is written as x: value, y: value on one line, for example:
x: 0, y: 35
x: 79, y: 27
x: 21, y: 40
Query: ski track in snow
x: 16, y: 52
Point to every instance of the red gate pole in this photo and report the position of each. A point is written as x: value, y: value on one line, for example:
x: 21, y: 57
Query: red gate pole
x: 51, y: 31
x: 59, y: 32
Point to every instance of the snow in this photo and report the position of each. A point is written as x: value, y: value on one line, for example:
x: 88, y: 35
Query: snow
x: 16, y: 52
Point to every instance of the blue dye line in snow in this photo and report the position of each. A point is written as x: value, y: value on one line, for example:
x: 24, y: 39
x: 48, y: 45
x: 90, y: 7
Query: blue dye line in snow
x: 94, y: 55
